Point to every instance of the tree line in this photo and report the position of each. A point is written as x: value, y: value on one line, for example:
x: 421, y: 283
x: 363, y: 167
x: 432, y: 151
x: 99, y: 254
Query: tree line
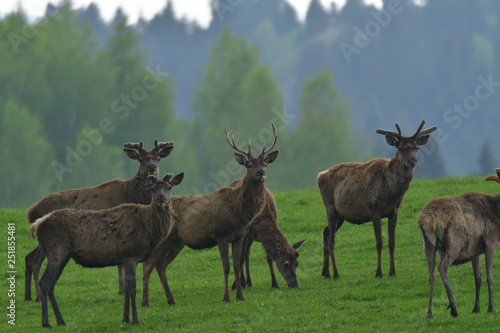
x: 75, y: 88
x: 68, y: 105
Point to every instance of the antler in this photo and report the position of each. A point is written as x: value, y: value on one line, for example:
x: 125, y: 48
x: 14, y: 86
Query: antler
x: 160, y: 145
x: 232, y: 144
x: 264, y: 150
x: 137, y: 146
x: 420, y: 133
x: 394, y: 134
x: 417, y: 134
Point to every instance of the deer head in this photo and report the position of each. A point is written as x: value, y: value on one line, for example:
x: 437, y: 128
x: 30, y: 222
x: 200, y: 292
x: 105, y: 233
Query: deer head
x: 160, y: 188
x: 407, y: 147
x: 285, y: 257
x: 148, y: 160
x: 256, y: 166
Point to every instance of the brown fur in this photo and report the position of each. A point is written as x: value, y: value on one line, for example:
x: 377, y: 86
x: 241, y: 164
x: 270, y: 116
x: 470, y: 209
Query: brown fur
x: 363, y: 192
x: 460, y: 229
x: 264, y: 229
x: 103, y: 196
x: 125, y: 234
x: 218, y: 219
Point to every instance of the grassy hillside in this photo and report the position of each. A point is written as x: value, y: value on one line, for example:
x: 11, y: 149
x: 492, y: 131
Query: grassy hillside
x: 358, y: 301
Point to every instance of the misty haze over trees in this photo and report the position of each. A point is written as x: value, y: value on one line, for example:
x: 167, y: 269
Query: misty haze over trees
x: 75, y: 88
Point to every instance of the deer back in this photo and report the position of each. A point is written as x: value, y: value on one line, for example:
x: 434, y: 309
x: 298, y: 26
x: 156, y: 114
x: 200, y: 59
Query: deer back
x: 358, y: 189
x: 465, y: 218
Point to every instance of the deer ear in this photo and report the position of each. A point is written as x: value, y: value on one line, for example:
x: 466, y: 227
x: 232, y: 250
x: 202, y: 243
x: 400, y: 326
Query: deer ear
x: 272, y: 157
x: 391, y: 141
x: 493, y: 178
x: 177, y: 179
x: 421, y: 141
x: 165, y: 151
x: 240, y: 159
x: 278, y: 246
x: 132, y: 154
x: 298, y: 244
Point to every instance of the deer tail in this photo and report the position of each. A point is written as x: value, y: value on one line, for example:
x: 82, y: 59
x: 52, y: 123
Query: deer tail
x: 34, y: 226
x: 428, y: 224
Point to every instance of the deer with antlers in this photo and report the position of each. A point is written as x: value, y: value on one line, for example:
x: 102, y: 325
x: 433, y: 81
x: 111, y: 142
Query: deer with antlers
x: 219, y: 218
x: 103, y: 196
x: 371, y: 191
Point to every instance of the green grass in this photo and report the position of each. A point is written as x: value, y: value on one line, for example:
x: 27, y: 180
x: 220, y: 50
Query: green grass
x: 356, y: 302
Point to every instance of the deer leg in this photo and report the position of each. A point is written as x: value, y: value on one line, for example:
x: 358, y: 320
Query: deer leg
x: 130, y: 265
x: 246, y: 257
x: 121, y: 284
x: 448, y: 258
x: 47, y: 283
x: 393, y: 220
x: 489, y: 256
x: 326, y: 253
x: 274, y: 283
x: 476, y: 268
x: 36, y: 266
x: 28, y: 262
x: 377, y: 228
x: 236, y: 252
x: 55, y: 307
x: 161, y: 268
x: 126, y: 305
x: 224, y: 255
x: 430, y: 256
x: 160, y: 259
x: 334, y: 224
x: 147, y: 269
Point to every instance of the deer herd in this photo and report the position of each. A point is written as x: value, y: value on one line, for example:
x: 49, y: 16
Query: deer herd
x: 121, y: 223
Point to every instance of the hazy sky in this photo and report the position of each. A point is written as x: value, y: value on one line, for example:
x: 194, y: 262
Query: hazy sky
x: 198, y: 10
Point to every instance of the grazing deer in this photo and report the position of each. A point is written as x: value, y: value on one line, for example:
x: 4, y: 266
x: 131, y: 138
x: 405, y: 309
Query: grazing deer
x: 461, y: 229
x: 363, y: 192
x: 105, y: 195
x: 125, y: 234
x: 264, y: 229
x: 219, y: 218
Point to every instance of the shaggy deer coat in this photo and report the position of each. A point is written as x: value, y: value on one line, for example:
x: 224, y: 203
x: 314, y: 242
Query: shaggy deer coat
x: 126, y: 234
x: 103, y: 196
x: 363, y: 192
x: 461, y: 229
x: 264, y: 229
x: 219, y: 218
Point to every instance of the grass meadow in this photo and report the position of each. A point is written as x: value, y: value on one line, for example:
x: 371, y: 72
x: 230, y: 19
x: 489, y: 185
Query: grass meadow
x: 356, y: 302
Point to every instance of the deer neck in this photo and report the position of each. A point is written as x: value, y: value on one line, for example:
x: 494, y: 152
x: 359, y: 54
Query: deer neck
x: 137, y: 193
x: 253, y: 196
x: 161, y: 221
x: 400, y: 175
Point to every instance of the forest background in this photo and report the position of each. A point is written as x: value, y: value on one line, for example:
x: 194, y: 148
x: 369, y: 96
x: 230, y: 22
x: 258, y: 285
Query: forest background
x: 74, y: 88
